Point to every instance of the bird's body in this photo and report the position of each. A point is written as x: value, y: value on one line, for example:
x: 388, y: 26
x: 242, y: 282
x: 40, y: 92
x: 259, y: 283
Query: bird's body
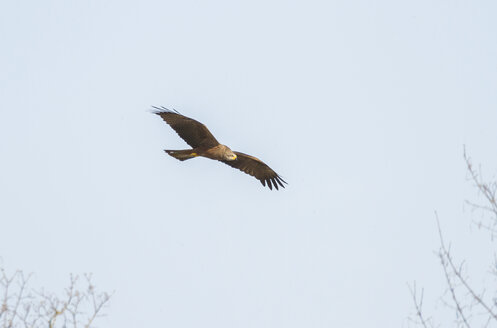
x: 204, y: 144
x: 219, y: 152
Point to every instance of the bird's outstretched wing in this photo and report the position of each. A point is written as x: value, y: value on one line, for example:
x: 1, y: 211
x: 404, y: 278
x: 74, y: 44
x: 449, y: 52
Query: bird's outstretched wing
x: 256, y: 168
x: 193, y: 132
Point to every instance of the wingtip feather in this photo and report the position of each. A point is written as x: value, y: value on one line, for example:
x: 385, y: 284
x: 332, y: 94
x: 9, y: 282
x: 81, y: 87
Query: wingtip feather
x: 269, y: 184
x: 162, y: 109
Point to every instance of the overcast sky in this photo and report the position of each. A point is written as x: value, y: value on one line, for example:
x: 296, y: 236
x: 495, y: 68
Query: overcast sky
x: 363, y: 107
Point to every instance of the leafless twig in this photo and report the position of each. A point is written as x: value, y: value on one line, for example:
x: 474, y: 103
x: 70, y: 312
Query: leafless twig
x: 471, y: 307
x: 489, y: 192
x: 418, y: 303
x: 445, y: 258
x: 24, y: 307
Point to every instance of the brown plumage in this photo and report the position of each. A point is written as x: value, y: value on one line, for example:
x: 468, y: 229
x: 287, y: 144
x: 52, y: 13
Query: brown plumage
x: 204, y: 144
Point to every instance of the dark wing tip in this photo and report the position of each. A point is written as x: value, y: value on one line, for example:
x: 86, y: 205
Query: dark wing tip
x: 275, y: 184
x: 269, y: 184
x: 280, y: 181
x: 274, y: 181
x: 162, y: 109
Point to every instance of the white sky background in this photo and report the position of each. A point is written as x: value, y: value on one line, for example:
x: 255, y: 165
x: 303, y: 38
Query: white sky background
x: 362, y: 107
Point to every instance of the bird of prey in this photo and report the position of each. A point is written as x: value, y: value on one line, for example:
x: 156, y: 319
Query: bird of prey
x: 204, y: 144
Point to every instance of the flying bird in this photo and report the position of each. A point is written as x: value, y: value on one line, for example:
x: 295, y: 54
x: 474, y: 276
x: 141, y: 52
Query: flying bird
x: 204, y: 144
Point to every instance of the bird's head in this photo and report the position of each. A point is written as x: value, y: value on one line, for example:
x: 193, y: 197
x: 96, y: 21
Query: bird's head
x: 228, y: 154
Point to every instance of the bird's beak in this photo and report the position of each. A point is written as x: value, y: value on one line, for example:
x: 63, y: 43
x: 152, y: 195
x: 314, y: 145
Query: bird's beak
x: 235, y: 157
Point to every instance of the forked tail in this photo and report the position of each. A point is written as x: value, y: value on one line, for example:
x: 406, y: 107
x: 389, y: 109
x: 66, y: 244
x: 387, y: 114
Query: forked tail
x: 182, y: 155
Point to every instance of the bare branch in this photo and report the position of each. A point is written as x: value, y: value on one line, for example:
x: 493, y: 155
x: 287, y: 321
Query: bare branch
x: 443, y: 254
x: 24, y: 307
x: 448, y: 263
x: 487, y: 189
x: 419, y: 306
x: 469, y: 305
